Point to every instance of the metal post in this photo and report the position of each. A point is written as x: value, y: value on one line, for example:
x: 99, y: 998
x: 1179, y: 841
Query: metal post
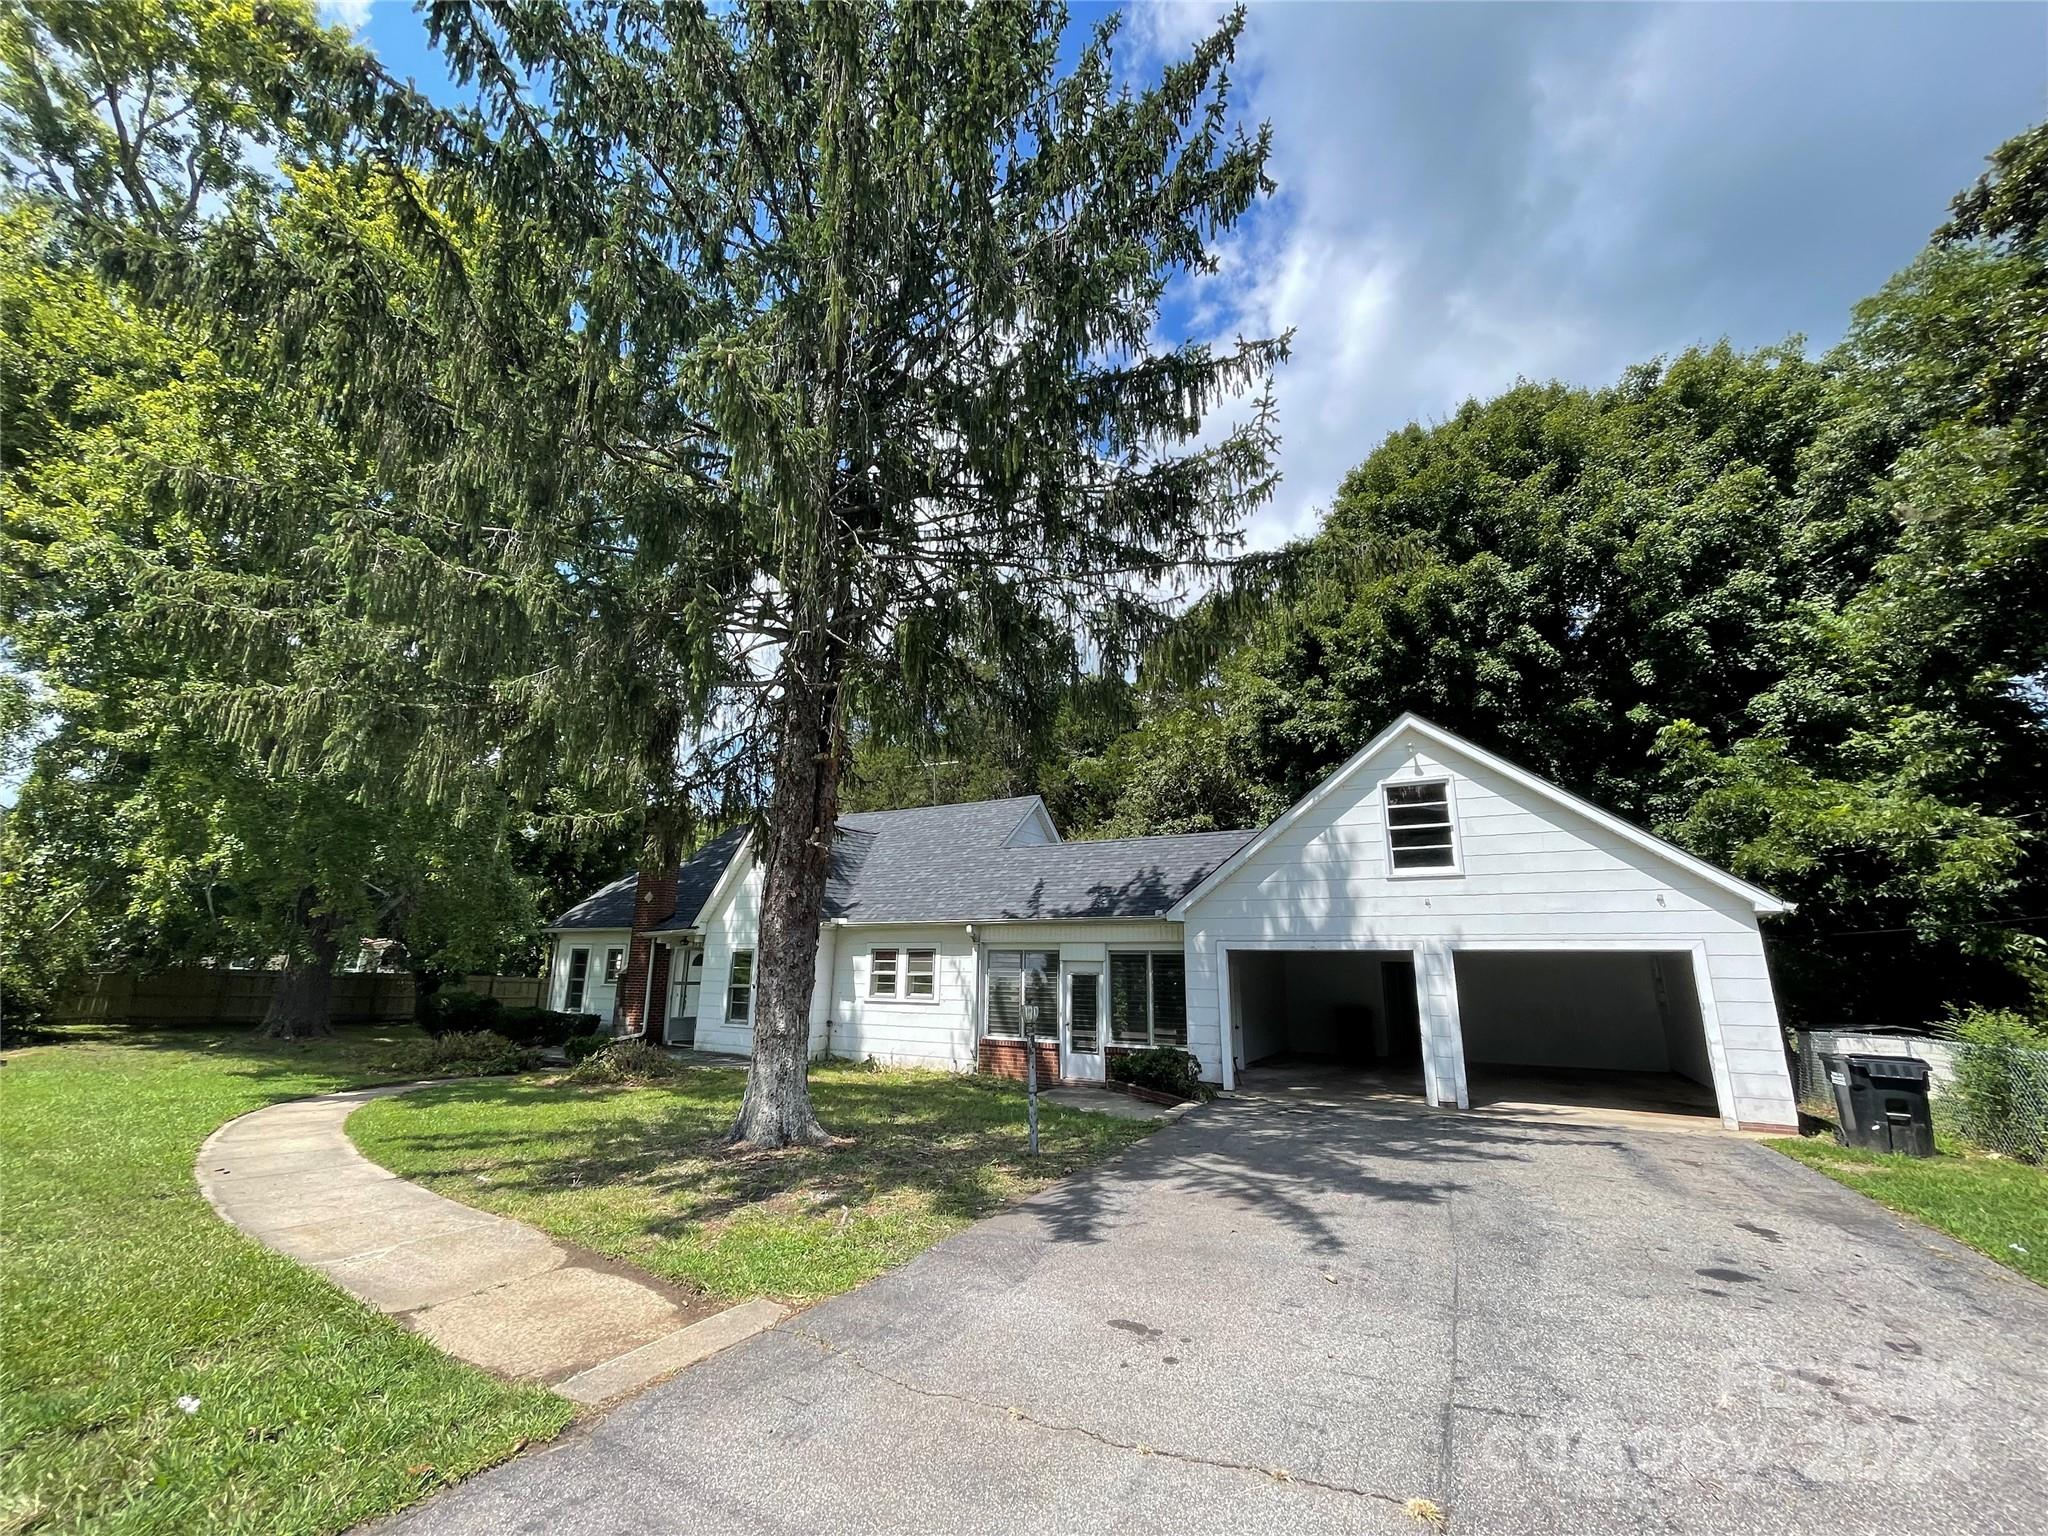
x: 1031, y: 1071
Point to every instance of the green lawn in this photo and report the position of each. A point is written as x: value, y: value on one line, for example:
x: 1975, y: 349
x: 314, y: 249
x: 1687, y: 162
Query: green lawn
x: 121, y: 1292
x: 1997, y: 1206
x: 642, y: 1173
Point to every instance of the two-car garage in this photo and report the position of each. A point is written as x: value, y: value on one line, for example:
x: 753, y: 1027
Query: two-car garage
x: 1613, y: 1029
x: 1433, y: 919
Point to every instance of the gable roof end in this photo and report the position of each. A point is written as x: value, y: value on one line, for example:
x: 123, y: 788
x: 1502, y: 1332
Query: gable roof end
x: 1410, y: 723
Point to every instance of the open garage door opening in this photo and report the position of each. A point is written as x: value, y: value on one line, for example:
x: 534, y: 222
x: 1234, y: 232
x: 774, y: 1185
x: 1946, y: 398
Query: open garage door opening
x: 1605, y: 1030
x: 1330, y: 1015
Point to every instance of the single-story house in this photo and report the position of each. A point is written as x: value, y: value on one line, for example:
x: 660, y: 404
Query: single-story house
x: 1428, y: 908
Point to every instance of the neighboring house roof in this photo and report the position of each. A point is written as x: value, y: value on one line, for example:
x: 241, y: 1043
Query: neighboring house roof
x: 1413, y: 725
x: 696, y: 877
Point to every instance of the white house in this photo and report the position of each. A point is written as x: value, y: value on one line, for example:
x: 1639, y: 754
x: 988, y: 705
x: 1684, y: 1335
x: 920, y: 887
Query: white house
x: 1428, y: 908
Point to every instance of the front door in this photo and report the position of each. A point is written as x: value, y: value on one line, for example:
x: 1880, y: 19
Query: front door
x: 1083, y: 1042
x: 687, y: 987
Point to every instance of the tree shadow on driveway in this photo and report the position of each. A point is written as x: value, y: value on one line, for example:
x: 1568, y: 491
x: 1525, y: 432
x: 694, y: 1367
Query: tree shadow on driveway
x: 1296, y: 1162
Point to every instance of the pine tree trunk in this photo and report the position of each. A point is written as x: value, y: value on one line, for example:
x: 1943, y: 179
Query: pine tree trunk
x: 802, y: 816
x: 302, y: 1007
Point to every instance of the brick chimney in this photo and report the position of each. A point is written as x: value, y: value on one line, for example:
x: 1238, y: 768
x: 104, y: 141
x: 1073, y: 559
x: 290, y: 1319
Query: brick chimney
x: 654, y: 901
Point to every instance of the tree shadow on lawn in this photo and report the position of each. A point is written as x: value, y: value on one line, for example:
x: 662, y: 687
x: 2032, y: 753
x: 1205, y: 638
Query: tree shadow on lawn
x: 959, y: 1143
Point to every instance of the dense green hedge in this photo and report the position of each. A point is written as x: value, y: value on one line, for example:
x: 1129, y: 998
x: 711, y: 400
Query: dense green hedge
x: 460, y: 1012
x: 1163, y: 1069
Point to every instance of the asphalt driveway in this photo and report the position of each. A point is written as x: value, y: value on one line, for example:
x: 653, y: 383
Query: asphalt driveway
x: 1296, y: 1318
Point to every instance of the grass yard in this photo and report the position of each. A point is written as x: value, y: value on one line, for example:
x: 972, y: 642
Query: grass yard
x: 642, y: 1174
x: 1997, y: 1206
x: 121, y: 1294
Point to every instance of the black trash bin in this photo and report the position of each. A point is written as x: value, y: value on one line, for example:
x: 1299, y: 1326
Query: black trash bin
x: 1881, y: 1102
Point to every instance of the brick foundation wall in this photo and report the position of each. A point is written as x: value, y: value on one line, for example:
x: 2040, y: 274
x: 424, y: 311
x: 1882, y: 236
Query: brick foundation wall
x: 1005, y: 1058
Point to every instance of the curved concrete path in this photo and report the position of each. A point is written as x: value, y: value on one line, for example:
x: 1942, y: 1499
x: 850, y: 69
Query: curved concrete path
x: 486, y: 1289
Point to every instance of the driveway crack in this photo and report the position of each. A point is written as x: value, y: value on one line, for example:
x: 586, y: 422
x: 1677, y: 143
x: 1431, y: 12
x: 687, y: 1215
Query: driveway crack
x: 1447, y: 1435
x: 1414, y: 1508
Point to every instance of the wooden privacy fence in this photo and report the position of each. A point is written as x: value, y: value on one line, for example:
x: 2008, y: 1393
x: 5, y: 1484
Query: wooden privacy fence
x: 512, y: 991
x: 203, y: 995
x: 199, y: 995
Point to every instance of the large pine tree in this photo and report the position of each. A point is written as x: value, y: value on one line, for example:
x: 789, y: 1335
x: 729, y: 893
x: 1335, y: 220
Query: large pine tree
x: 783, y: 364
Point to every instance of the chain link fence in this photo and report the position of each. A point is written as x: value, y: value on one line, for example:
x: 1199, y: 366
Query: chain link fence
x: 1994, y: 1097
x: 1998, y: 1100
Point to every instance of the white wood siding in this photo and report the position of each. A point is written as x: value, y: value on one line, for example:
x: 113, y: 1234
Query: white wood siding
x: 1529, y: 875
x: 899, y: 1031
x: 597, y: 997
x: 730, y: 926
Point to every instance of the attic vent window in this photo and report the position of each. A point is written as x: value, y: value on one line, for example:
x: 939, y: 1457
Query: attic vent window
x: 1419, y: 835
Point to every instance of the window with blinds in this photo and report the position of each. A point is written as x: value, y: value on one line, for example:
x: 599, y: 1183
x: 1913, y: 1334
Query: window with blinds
x: 1020, y: 979
x: 1084, y: 1022
x: 1148, y: 1000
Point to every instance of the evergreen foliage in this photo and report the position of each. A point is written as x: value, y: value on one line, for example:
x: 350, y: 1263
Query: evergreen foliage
x: 732, y: 376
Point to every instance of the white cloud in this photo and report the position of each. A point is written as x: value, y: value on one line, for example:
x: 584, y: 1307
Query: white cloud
x: 1472, y: 195
x: 353, y: 14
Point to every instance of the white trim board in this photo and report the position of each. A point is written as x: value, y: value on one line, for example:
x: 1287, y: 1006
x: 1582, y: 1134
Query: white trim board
x: 1413, y: 725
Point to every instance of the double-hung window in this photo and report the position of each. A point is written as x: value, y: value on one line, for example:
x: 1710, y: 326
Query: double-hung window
x: 739, y: 988
x: 1148, y: 1000
x: 911, y: 974
x: 882, y: 973
x: 614, y: 963
x: 1419, y: 833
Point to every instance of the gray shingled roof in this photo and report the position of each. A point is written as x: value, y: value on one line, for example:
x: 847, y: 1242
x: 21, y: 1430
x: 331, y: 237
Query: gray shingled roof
x: 951, y: 864
x: 612, y: 907
x: 908, y: 880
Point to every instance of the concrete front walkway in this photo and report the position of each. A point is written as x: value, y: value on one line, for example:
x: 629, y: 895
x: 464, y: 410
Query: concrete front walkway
x: 487, y: 1290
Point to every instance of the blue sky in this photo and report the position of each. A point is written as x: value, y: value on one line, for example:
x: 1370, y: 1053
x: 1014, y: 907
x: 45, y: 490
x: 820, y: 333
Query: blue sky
x: 1471, y: 194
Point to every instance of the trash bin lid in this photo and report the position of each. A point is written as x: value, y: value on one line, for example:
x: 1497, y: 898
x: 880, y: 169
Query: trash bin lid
x: 1904, y: 1069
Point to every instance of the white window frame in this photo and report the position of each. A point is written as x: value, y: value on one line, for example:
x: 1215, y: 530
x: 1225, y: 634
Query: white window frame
x: 572, y: 983
x: 931, y: 958
x: 614, y: 965
x: 1433, y: 871
x: 892, y: 970
x: 1041, y: 1029
x: 893, y: 962
x: 746, y: 1015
